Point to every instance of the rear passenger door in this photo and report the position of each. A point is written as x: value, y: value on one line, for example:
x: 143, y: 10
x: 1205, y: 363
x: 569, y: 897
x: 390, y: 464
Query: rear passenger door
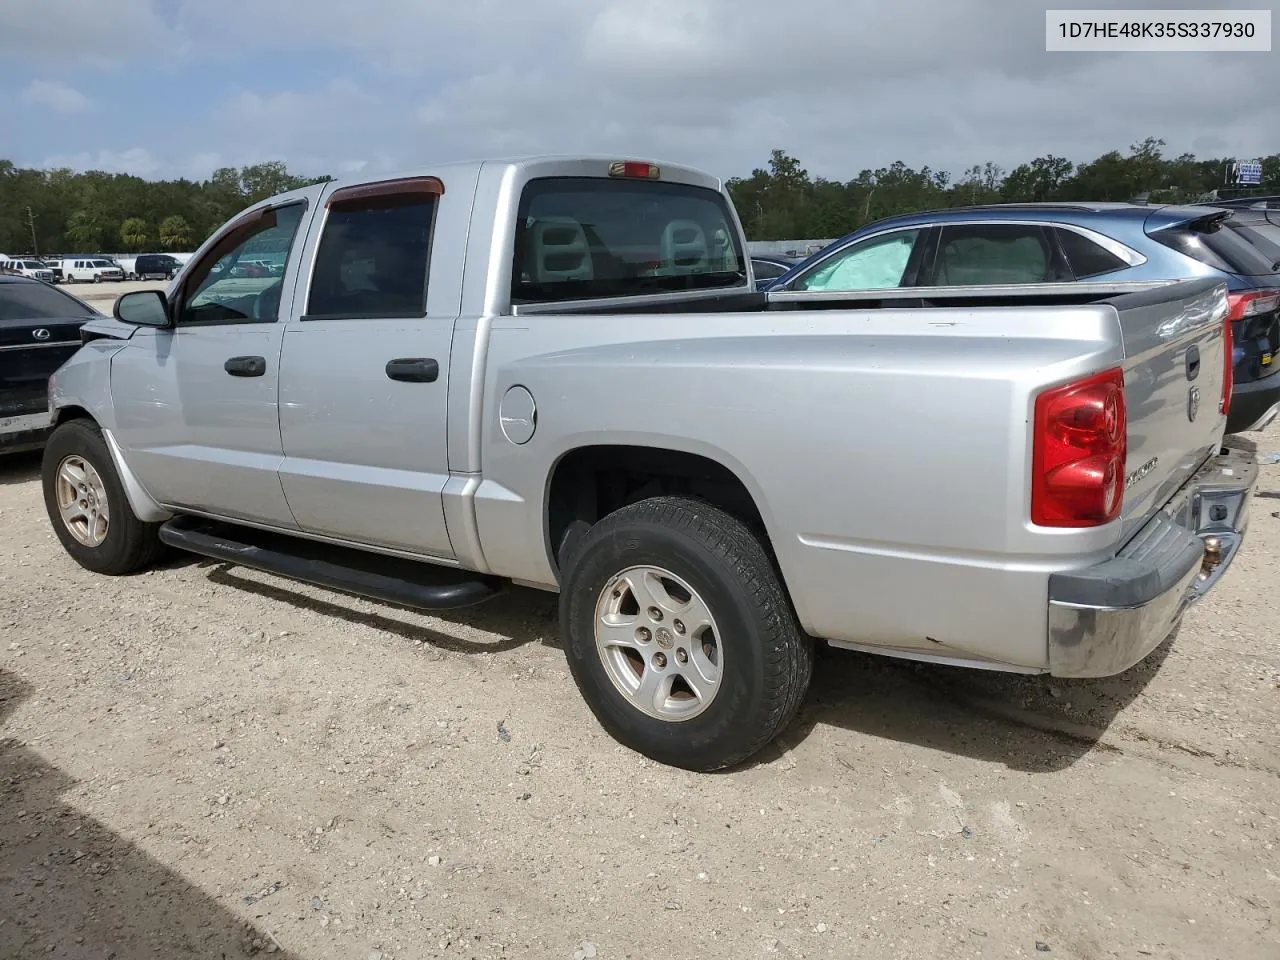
x: 364, y: 378
x: 980, y: 254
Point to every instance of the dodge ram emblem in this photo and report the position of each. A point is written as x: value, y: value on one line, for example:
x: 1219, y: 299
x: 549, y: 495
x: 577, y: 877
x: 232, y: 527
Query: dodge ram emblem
x: 1193, y: 403
x: 40, y: 334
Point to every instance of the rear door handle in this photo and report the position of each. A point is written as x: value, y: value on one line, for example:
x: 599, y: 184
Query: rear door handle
x: 414, y: 369
x: 246, y: 366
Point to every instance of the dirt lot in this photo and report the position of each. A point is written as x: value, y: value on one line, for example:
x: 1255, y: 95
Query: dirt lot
x: 207, y: 762
x: 102, y: 296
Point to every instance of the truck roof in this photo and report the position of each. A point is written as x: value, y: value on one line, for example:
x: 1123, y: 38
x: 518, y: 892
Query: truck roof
x: 523, y: 163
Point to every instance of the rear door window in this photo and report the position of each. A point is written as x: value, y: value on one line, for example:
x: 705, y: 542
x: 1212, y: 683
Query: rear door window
x: 1086, y: 258
x: 1218, y: 244
x: 876, y: 263
x: 372, y: 258
x: 581, y: 238
x: 974, y: 254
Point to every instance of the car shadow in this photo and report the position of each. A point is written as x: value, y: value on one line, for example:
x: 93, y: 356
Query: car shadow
x: 516, y: 614
x: 73, y: 889
x: 1027, y: 723
x: 21, y: 467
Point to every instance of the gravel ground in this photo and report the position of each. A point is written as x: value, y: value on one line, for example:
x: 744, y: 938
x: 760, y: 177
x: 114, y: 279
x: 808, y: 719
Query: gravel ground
x: 102, y: 296
x: 207, y: 762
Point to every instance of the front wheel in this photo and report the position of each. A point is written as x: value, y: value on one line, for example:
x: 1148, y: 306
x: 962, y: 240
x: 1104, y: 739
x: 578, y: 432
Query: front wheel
x: 680, y: 636
x: 87, y: 505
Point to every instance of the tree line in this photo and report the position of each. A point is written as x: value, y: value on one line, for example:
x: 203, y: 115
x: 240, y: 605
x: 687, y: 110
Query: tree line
x: 47, y: 211
x: 782, y: 202
x: 59, y: 211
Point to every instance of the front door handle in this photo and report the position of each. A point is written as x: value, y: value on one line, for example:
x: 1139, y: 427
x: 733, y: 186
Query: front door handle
x: 246, y: 366
x: 414, y: 369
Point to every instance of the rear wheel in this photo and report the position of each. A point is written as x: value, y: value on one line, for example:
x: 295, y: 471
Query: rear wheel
x: 87, y: 506
x: 680, y: 635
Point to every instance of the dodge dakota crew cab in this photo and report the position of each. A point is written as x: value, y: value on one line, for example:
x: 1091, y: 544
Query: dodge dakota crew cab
x: 557, y: 372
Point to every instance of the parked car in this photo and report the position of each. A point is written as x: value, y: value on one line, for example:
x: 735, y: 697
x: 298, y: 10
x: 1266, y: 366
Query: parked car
x: 155, y: 266
x: 39, y: 329
x: 35, y: 269
x: 556, y: 373
x: 54, y: 265
x: 767, y: 268
x: 1067, y: 242
x: 91, y: 271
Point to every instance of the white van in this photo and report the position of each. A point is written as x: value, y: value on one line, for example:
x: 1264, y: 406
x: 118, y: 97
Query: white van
x: 126, y: 264
x: 90, y: 271
x: 35, y: 269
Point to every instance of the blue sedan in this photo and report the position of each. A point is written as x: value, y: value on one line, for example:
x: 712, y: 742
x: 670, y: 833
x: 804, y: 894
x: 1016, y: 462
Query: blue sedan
x: 1065, y: 242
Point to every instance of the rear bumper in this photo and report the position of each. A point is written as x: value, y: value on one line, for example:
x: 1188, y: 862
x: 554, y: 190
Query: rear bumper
x: 24, y: 431
x: 1104, y: 619
x: 1254, y: 404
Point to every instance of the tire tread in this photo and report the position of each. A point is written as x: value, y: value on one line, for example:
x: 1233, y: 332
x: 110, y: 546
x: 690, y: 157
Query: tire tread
x: 140, y: 546
x: 788, y: 654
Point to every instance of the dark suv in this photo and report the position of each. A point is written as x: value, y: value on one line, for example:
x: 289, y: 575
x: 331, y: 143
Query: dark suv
x: 159, y: 266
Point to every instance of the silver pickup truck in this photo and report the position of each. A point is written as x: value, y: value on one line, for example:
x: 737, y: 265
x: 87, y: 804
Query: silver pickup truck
x: 558, y: 373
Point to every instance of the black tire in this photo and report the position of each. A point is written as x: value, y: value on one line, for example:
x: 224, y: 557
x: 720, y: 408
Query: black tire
x: 767, y: 660
x: 130, y: 544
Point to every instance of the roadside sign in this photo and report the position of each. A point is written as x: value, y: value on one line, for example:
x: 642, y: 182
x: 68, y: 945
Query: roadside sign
x: 1248, y: 172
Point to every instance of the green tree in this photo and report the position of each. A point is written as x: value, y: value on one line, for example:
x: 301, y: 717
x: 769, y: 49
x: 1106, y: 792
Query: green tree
x: 175, y: 232
x: 84, y: 230
x: 134, y: 233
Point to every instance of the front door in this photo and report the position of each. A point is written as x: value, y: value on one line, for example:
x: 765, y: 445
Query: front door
x: 364, y: 375
x: 197, y: 404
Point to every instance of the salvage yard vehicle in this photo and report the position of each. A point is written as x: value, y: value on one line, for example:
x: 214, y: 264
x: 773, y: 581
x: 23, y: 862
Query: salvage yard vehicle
x: 30, y: 267
x: 557, y: 373
x: 90, y: 270
x: 1055, y: 242
x: 39, y: 330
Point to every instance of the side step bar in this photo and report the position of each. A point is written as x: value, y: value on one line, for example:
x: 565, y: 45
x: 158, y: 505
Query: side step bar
x: 406, y: 583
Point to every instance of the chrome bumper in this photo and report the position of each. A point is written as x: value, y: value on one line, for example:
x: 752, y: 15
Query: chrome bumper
x: 1104, y: 619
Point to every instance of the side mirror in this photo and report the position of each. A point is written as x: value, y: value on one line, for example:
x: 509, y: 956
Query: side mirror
x: 143, y: 308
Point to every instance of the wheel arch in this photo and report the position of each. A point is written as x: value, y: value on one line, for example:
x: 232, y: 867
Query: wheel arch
x: 144, y: 506
x: 589, y: 481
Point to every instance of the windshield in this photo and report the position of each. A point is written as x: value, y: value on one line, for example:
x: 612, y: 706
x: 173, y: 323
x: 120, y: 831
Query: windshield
x: 581, y: 238
x: 38, y: 301
x: 103, y: 263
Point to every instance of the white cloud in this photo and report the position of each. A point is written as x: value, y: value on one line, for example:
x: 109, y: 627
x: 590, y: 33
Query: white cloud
x: 81, y: 31
x: 136, y: 160
x: 56, y: 96
x: 841, y: 84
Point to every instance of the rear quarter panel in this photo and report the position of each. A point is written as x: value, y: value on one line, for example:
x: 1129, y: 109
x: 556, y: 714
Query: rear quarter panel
x: 892, y: 478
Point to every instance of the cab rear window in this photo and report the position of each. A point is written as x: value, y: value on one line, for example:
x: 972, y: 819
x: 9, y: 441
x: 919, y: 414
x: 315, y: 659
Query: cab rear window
x: 586, y: 238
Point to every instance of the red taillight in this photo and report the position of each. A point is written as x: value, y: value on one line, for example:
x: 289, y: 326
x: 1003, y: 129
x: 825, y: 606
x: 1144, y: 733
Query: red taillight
x: 1078, y: 452
x: 634, y: 168
x: 1252, y: 304
x: 1228, y: 363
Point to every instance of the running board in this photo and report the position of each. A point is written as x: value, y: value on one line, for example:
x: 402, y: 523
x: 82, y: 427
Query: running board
x: 407, y: 583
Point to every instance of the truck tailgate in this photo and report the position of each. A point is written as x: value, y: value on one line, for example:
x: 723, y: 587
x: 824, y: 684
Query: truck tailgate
x: 1175, y: 346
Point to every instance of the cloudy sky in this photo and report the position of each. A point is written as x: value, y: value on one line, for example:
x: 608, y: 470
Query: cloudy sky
x: 179, y: 87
